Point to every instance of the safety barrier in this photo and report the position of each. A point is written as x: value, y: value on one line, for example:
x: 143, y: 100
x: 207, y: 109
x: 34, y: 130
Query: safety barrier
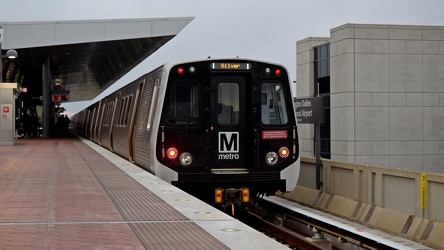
x: 402, y: 202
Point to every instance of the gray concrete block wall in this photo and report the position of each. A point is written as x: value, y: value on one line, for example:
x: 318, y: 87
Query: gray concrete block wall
x: 387, y: 95
x: 384, y: 198
x: 304, y: 71
x: 393, y: 189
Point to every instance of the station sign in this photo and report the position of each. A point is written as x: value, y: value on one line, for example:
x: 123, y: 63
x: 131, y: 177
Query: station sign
x: 309, y: 110
x: 60, y: 96
x: 5, y: 109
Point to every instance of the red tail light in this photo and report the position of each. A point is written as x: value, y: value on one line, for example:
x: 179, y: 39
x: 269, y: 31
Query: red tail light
x: 172, y: 153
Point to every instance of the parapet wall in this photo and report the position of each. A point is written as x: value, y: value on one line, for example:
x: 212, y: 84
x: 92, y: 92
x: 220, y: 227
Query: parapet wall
x: 401, y: 202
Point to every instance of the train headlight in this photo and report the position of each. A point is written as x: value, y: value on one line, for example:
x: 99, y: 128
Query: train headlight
x: 271, y: 158
x: 284, y: 152
x: 186, y: 159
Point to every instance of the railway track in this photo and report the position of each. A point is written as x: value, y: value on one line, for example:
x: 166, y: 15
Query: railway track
x: 285, y: 235
x: 303, y: 229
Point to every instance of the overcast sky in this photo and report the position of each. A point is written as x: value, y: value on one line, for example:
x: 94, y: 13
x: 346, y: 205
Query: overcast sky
x: 260, y: 29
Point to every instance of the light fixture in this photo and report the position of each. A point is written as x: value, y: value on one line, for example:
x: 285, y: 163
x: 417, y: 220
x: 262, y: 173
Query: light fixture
x: 11, y: 54
x: 186, y: 159
x: 271, y: 158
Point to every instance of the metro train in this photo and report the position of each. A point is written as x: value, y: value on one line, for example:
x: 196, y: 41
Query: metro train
x: 223, y: 130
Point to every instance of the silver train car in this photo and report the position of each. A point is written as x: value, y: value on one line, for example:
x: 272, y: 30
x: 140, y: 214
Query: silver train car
x: 223, y: 130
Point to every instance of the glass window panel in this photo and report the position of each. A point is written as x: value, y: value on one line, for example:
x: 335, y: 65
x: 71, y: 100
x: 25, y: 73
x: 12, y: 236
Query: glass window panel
x: 122, y: 109
x: 128, y: 107
x: 184, y: 104
x: 274, y: 110
x: 228, y: 103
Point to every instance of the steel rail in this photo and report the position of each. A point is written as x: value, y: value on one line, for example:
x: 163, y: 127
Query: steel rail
x: 336, y: 229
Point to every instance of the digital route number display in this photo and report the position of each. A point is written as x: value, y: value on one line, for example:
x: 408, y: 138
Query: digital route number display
x: 59, y: 97
x: 230, y: 66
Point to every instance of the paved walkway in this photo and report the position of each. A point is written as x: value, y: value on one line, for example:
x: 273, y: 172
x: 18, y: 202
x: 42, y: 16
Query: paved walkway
x: 61, y: 194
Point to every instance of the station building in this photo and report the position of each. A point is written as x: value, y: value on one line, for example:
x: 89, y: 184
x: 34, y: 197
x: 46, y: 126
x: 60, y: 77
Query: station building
x: 383, y: 88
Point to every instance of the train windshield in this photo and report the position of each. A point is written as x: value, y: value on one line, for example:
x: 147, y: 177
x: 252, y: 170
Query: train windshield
x: 184, y: 104
x: 228, y: 103
x: 274, y: 110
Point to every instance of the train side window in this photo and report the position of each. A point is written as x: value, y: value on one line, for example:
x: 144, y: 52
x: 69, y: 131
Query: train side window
x: 128, y: 107
x: 108, y: 114
x: 122, y: 115
x: 228, y: 103
x: 183, y: 108
x: 105, y: 123
x: 273, y: 108
x: 121, y: 112
x: 118, y: 111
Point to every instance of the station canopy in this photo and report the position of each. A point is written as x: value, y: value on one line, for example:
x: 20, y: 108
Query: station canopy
x: 85, y: 57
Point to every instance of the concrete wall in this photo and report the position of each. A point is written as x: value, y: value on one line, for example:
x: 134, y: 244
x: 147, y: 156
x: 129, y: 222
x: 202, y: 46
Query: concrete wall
x: 384, y: 198
x: 305, y: 76
x: 387, y: 95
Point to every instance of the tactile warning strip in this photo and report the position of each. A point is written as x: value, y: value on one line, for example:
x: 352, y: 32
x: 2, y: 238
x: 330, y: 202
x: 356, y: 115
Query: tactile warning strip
x: 157, y: 224
x: 135, y: 202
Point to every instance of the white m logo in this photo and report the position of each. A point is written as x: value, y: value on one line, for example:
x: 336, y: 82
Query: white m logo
x: 228, y: 142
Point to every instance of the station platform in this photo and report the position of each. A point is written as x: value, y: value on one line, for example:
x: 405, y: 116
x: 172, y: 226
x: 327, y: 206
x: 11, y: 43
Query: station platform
x: 67, y: 193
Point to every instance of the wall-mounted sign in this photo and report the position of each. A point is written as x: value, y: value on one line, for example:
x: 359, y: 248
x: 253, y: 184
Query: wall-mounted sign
x: 309, y: 110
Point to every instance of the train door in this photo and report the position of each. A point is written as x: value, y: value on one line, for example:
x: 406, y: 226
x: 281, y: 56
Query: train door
x: 229, y: 123
x: 133, y: 120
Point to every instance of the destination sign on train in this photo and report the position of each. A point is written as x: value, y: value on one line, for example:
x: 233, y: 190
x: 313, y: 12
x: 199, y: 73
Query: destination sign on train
x: 230, y: 66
